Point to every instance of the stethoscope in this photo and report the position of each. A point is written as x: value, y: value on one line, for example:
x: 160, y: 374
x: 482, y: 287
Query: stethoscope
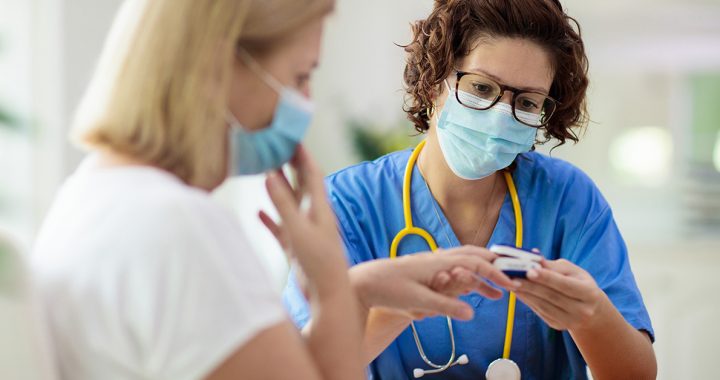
x: 502, y: 368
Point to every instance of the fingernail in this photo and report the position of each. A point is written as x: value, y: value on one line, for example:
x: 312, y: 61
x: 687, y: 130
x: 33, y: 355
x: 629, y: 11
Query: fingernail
x: 465, y: 313
x: 532, y: 274
x: 517, y: 284
x: 272, y: 179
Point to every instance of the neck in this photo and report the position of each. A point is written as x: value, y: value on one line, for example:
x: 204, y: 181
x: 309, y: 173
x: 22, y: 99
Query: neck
x: 108, y: 158
x: 471, y: 207
x: 450, y: 190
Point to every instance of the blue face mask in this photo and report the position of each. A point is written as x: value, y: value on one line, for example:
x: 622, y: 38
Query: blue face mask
x: 254, y: 152
x: 476, y: 144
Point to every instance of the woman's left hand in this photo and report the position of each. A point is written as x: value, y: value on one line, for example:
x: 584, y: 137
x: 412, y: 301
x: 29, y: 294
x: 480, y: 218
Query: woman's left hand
x: 564, y: 295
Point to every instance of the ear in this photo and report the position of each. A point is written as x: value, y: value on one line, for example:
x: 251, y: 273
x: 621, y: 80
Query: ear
x: 440, y: 94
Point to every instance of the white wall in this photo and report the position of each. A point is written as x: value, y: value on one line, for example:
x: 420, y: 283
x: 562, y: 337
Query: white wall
x: 68, y: 36
x: 360, y: 73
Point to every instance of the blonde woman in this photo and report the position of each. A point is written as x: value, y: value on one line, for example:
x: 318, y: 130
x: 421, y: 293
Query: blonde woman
x: 144, y: 277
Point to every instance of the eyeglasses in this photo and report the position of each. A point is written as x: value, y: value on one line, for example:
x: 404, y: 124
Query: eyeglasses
x: 480, y: 93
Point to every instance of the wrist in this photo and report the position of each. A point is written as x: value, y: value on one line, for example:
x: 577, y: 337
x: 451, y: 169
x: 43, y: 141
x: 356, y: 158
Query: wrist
x: 329, y: 288
x: 600, y: 319
x: 360, y: 286
x: 325, y: 278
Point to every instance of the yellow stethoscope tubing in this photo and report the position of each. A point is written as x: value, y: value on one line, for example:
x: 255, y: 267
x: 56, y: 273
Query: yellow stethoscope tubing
x: 410, y: 229
x: 518, y: 243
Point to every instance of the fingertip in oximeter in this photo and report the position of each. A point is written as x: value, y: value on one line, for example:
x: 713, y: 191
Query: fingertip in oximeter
x: 514, y: 262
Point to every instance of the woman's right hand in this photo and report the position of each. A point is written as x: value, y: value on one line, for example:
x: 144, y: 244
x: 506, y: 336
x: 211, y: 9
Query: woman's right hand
x: 424, y: 285
x: 308, y: 230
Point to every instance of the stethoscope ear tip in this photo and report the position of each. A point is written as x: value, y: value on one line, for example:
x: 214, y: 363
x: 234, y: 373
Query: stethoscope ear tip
x: 463, y: 359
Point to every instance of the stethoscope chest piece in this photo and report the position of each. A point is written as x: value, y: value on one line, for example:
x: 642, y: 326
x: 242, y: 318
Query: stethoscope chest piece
x: 503, y: 369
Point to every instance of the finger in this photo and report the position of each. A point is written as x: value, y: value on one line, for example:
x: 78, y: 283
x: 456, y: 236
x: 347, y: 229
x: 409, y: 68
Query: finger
x: 536, y: 305
x: 294, y: 186
x: 309, y: 174
x: 300, y: 174
x: 283, y: 198
x: 477, y: 260
x: 313, y: 184
x: 549, y: 295
x: 555, y: 317
x: 569, y: 286
x: 269, y: 223
x: 463, y: 278
x: 488, y: 291
x: 473, y: 251
x: 562, y: 266
x: 440, y: 281
x: 436, y: 303
x: 272, y: 227
x: 462, y: 281
x: 465, y: 282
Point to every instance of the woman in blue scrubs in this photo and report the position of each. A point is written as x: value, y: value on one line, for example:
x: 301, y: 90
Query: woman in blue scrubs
x: 486, y: 80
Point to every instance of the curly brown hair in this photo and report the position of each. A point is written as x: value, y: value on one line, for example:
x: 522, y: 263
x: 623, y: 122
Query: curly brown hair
x: 454, y: 26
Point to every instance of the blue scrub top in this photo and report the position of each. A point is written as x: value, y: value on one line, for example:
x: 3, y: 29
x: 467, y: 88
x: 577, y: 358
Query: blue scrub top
x: 564, y: 215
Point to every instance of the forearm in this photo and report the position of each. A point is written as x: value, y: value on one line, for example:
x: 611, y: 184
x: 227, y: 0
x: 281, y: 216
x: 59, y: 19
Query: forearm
x: 614, y: 349
x: 382, y: 327
x: 334, y: 335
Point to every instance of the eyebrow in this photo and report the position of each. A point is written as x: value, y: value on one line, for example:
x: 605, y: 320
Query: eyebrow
x: 495, y: 78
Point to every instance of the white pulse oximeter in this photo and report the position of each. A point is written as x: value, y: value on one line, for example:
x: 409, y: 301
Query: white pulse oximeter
x: 515, y: 262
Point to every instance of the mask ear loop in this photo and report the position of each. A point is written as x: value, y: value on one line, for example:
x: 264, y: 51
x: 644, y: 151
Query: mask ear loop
x: 231, y: 120
x: 447, y: 84
x: 430, y: 112
x: 255, y: 66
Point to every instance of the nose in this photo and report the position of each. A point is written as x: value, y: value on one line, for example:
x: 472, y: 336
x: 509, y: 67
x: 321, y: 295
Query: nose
x: 506, y: 97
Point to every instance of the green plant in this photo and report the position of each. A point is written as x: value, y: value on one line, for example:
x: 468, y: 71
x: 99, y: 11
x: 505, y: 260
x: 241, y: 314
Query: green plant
x: 7, y: 119
x: 372, y: 140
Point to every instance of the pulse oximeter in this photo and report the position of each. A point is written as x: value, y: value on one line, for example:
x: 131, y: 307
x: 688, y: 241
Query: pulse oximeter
x: 515, y: 262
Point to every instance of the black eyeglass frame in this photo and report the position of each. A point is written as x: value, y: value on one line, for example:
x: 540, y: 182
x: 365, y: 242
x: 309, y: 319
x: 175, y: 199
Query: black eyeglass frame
x: 503, y: 89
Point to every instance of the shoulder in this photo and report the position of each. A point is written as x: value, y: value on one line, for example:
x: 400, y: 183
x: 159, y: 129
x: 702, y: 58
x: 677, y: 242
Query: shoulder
x: 555, y: 181
x: 170, y: 206
x: 555, y: 171
x: 544, y: 170
x: 134, y: 213
x: 188, y: 226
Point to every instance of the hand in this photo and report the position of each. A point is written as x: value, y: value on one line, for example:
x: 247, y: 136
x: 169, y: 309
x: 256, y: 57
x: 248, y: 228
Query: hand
x: 564, y: 295
x: 423, y: 285
x: 455, y: 282
x: 307, y: 234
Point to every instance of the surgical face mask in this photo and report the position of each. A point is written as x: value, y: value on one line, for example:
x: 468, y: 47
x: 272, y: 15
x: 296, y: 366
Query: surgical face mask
x: 254, y: 152
x: 475, y: 143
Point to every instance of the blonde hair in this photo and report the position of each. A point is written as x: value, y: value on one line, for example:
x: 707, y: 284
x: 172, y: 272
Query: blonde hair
x: 160, y: 91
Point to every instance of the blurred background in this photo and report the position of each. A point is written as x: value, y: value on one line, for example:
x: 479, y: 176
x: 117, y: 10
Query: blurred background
x: 653, y: 146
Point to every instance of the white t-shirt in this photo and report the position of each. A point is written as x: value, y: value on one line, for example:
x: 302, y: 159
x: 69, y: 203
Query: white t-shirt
x: 144, y: 277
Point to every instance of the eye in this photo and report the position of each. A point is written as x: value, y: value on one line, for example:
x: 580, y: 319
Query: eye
x: 528, y: 105
x: 482, y: 88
